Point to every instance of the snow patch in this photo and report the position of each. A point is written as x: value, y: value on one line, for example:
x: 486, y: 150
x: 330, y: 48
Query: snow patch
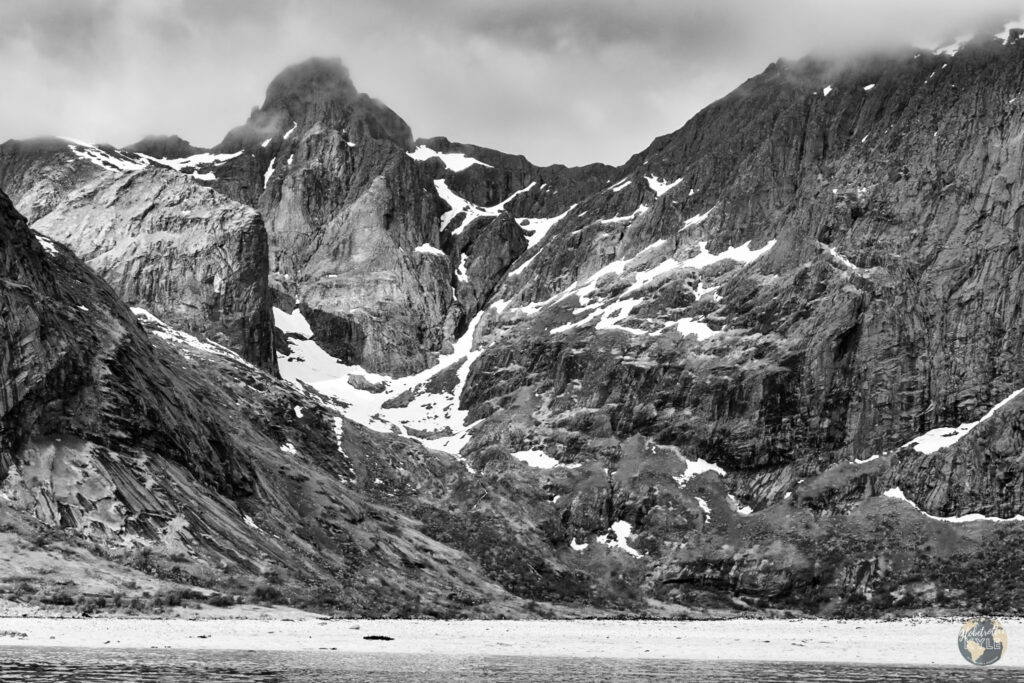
x: 963, y: 519
x: 742, y: 254
x: 431, y: 418
x: 269, y: 173
x: 643, y: 208
x: 191, y: 163
x: 453, y: 161
x: 459, y: 205
x: 695, y: 467
x: 427, y: 248
x: 688, y: 326
x: 698, y: 219
x: 292, y: 323
x: 538, y: 228
x: 536, y: 458
x: 111, y: 161
x: 659, y: 186
x: 705, y: 508
x: 943, y: 437
x: 49, y: 245
x: 741, y: 510
x: 161, y: 330
x: 622, y: 530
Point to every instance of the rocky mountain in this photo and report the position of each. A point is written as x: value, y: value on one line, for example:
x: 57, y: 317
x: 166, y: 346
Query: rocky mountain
x: 767, y: 363
x: 161, y: 238
x: 124, y: 441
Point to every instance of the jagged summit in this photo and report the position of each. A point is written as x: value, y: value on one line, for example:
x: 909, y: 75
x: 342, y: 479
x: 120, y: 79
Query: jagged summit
x: 314, y: 80
x: 317, y: 91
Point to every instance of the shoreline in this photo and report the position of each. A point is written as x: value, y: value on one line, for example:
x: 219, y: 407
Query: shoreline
x: 913, y: 642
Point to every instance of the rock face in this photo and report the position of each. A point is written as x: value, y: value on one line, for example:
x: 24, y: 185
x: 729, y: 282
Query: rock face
x: 346, y: 209
x: 166, y: 242
x: 39, y: 174
x: 176, y: 248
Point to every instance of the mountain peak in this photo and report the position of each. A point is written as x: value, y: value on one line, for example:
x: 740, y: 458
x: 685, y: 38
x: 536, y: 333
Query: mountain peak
x: 317, y: 90
x: 315, y: 80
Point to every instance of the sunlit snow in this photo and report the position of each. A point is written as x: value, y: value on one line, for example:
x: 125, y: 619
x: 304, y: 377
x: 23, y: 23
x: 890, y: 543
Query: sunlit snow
x: 695, y: 467
x: 269, y: 173
x: 459, y: 205
x: 536, y: 458
x: 944, y: 437
x: 623, y: 530
x: 435, y: 415
x: 705, y: 508
x: 427, y: 248
x: 963, y: 519
x: 116, y: 161
x: 659, y: 186
x: 453, y: 161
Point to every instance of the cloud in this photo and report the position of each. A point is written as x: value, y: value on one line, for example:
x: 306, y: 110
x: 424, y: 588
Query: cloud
x: 568, y: 81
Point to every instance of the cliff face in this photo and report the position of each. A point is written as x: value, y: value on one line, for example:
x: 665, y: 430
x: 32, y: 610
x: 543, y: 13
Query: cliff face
x: 345, y: 209
x: 170, y: 245
x: 887, y: 305
x: 161, y: 238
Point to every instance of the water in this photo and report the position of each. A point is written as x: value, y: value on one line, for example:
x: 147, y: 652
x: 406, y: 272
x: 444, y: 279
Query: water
x: 85, y: 665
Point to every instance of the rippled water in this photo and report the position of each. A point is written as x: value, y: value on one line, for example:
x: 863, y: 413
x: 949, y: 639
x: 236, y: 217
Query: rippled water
x: 47, y: 665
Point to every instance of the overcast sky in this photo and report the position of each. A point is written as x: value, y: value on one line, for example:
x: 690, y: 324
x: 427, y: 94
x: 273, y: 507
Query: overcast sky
x: 561, y: 81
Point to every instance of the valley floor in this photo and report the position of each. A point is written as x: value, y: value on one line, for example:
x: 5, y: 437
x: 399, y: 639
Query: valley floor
x: 920, y: 642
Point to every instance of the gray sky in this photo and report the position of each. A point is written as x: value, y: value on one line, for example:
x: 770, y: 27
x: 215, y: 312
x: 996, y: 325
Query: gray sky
x: 561, y: 81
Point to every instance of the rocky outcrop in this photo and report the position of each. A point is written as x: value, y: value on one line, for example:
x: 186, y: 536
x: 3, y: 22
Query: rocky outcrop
x: 39, y: 174
x: 482, y: 254
x: 176, y: 248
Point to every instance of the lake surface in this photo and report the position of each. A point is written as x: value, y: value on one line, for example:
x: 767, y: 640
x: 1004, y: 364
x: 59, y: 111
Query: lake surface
x: 83, y: 665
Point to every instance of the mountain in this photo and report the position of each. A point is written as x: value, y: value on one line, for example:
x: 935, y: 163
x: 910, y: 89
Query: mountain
x: 160, y: 237
x: 767, y: 363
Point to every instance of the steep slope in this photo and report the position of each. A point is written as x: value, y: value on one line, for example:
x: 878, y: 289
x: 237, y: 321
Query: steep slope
x: 162, y: 239
x: 868, y: 321
x: 176, y: 457
x: 176, y: 248
x: 346, y: 211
